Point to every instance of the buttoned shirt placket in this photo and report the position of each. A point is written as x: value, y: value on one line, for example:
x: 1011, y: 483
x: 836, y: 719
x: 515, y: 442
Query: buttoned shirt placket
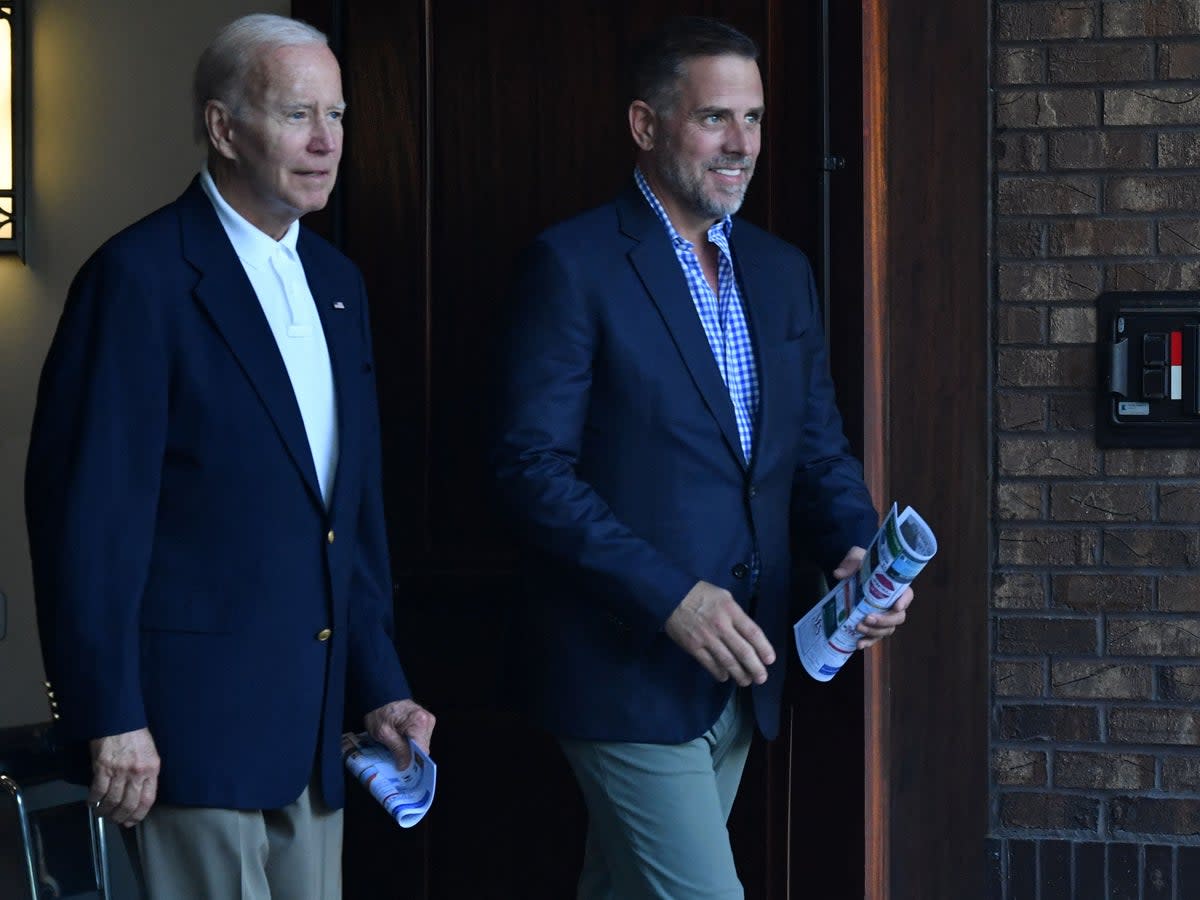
x: 722, y: 316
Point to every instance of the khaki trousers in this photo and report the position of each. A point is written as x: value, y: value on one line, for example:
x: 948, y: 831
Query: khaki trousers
x: 657, y: 812
x: 293, y: 853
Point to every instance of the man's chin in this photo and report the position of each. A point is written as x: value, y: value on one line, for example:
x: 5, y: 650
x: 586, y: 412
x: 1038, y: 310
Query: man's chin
x: 728, y: 207
x: 313, y: 204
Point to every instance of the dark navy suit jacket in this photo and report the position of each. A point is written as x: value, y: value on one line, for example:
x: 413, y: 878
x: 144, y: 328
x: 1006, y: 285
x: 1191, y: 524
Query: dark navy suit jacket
x: 618, y: 455
x: 184, y: 561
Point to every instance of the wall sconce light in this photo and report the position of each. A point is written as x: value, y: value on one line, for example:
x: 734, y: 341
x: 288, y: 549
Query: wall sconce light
x: 12, y: 126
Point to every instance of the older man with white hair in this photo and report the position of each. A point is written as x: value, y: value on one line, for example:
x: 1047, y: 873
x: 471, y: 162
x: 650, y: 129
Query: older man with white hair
x: 204, y: 504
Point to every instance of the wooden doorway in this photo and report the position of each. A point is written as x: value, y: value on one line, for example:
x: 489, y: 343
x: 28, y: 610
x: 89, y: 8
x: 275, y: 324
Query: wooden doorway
x: 474, y: 124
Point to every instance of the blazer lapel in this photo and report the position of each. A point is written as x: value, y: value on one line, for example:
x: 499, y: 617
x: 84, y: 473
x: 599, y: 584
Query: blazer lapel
x: 340, y: 320
x: 226, y: 294
x: 654, y: 260
x: 755, y: 281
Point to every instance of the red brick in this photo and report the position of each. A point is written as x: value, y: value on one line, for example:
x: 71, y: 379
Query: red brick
x: 1018, y: 678
x: 1047, y: 195
x: 1151, y: 547
x: 1093, y: 62
x: 1155, y: 815
x: 1151, y: 193
x: 1179, y: 150
x: 1165, y: 726
x: 1020, y: 636
x: 1099, y: 680
x: 1179, y: 60
x: 1020, y: 412
x: 1018, y: 767
x: 1073, y: 325
x: 1179, y: 683
x: 1045, y: 812
x: 1048, y: 282
x: 1011, y: 590
x: 1058, y: 367
x: 1027, y: 456
x: 1179, y: 593
x: 1152, y: 463
x: 1101, y: 150
x: 1089, y: 501
x: 1103, y: 771
x: 1085, y: 592
x: 1043, y: 21
x: 1039, y: 722
x: 1151, y: 18
x: 1017, y: 152
x: 1020, y: 325
x: 1028, y: 546
x: 1179, y: 503
x: 1047, y: 109
x: 1101, y: 237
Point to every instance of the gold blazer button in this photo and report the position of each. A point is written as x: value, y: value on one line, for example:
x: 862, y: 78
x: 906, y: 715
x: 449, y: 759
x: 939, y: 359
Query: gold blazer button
x: 324, y: 634
x: 330, y: 537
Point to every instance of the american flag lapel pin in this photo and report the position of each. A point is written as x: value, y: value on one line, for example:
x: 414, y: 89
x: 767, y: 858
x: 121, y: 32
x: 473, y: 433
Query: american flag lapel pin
x: 338, y: 304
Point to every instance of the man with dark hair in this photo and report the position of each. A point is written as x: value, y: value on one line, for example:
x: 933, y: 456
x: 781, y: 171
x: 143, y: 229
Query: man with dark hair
x: 204, y: 503
x: 668, y: 427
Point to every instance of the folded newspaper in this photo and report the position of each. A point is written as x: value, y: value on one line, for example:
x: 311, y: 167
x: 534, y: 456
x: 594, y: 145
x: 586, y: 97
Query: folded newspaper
x: 826, y: 636
x: 406, y: 793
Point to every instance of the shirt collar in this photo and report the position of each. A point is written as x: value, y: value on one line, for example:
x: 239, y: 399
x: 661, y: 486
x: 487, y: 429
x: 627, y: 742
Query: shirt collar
x: 723, y: 226
x: 253, y: 246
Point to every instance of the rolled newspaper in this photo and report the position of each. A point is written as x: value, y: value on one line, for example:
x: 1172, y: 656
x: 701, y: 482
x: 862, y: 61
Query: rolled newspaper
x: 827, y: 635
x: 406, y: 793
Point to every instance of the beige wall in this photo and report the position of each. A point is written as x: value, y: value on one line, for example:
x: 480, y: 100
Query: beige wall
x: 110, y: 140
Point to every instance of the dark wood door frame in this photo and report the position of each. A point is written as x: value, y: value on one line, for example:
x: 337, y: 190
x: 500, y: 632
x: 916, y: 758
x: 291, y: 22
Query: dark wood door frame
x: 877, y: 749
x: 926, y: 340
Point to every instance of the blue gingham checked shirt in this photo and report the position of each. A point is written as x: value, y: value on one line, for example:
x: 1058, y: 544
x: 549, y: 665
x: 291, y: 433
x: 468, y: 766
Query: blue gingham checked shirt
x: 722, y: 316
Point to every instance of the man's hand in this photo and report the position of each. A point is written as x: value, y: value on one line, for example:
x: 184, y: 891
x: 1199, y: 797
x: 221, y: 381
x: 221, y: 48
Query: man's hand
x: 876, y: 626
x: 394, y: 723
x: 124, y: 776
x: 710, y: 626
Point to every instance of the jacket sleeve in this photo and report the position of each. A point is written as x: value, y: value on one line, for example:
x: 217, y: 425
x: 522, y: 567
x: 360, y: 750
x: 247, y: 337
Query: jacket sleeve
x: 545, y: 381
x: 375, y: 676
x: 91, y: 493
x: 832, y: 510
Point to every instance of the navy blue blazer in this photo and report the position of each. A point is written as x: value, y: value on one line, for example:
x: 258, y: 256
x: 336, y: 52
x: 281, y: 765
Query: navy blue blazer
x: 184, y: 561
x: 618, y: 455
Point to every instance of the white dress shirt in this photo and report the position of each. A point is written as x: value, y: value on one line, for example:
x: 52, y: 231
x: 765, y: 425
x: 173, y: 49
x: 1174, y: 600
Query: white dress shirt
x: 277, y: 276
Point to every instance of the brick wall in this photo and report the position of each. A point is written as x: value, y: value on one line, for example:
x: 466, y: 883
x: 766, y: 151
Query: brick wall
x: 1096, y: 601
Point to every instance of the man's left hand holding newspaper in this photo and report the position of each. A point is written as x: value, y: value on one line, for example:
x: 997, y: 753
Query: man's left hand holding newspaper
x: 876, y: 626
x: 394, y: 723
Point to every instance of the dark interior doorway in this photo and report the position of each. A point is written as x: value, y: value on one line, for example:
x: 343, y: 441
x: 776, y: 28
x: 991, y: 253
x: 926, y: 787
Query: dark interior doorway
x: 473, y: 125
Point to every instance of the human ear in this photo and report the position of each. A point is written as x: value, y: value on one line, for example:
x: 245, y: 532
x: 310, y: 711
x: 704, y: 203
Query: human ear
x: 218, y: 120
x: 643, y: 124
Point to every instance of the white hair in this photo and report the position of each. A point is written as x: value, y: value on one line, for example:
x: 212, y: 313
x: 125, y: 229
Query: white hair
x: 225, y: 65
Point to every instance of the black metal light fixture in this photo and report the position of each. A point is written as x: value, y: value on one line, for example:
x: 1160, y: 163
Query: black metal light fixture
x: 12, y: 126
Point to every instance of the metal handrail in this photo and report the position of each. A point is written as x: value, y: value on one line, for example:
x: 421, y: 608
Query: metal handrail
x: 26, y: 833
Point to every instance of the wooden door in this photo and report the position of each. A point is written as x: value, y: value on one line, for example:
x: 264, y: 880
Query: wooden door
x: 474, y: 124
